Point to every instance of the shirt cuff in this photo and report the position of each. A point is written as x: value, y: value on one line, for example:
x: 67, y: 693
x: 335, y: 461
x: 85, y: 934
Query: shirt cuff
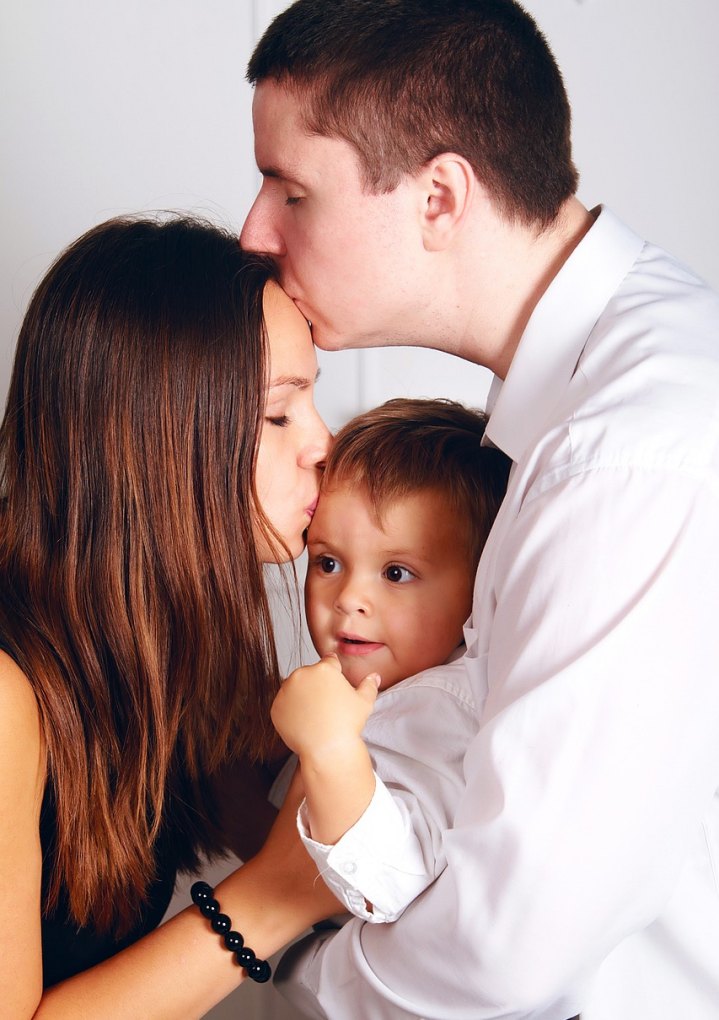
x: 377, y: 867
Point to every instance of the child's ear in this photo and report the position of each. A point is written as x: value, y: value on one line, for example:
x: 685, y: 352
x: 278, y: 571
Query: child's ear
x: 448, y: 186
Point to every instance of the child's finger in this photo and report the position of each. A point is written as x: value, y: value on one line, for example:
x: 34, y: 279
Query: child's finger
x: 369, y: 687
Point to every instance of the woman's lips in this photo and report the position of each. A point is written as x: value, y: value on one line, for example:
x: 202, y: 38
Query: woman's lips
x: 310, y: 510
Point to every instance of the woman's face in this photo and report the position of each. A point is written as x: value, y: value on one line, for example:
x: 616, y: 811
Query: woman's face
x: 294, y: 439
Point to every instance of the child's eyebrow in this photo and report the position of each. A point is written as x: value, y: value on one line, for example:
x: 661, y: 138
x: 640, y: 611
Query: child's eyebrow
x: 406, y: 554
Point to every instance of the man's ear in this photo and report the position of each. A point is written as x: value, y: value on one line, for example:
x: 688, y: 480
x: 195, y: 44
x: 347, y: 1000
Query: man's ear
x: 449, y: 188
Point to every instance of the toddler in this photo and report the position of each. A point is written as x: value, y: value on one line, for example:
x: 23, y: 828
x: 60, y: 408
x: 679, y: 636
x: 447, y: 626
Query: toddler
x: 407, y: 501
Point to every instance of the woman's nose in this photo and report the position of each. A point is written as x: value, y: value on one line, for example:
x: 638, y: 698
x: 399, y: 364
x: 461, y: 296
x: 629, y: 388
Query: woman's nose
x: 314, y: 453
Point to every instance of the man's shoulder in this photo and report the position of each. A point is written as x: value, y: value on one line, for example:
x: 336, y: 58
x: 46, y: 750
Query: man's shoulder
x: 646, y: 386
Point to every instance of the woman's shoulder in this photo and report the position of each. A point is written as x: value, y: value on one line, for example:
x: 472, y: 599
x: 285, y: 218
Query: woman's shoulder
x: 16, y: 693
x: 21, y: 744
x: 22, y: 779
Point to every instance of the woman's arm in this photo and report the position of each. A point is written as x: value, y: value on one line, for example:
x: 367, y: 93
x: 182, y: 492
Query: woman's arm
x: 178, y: 971
x: 22, y: 777
x: 182, y: 969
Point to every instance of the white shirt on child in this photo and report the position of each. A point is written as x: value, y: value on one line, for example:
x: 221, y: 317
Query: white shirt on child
x: 417, y: 737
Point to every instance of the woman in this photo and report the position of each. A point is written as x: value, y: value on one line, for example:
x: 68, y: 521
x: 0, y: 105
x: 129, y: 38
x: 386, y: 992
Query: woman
x: 158, y: 446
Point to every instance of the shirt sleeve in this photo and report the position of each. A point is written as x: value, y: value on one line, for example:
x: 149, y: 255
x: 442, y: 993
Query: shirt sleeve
x: 380, y: 864
x: 596, y: 760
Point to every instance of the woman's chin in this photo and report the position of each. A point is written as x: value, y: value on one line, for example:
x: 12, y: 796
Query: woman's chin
x: 296, y: 548
x: 280, y: 555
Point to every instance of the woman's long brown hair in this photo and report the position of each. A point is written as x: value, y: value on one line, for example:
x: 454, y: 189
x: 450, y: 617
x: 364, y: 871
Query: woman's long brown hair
x: 131, y: 593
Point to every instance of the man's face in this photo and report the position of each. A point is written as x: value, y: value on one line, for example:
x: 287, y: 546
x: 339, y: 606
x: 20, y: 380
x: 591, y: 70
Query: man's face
x: 389, y: 596
x: 347, y: 258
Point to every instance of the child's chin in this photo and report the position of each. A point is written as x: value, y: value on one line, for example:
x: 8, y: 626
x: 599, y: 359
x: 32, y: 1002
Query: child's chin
x: 354, y: 672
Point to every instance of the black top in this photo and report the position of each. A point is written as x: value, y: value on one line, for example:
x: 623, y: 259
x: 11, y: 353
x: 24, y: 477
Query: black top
x: 67, y: 949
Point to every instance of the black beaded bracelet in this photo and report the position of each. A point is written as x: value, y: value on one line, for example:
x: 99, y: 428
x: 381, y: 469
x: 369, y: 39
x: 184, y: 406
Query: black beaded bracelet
x: 203, y: 896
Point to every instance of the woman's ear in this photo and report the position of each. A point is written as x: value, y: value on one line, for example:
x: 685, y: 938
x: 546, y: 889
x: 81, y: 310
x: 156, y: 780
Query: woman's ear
x: 448, y: 188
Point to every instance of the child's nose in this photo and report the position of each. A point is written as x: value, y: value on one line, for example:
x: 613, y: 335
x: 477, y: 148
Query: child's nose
x: 353, y: 598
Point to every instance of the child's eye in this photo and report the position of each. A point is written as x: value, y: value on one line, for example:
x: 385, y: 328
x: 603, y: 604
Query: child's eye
x: 397, y: 574
x: 328, y: 564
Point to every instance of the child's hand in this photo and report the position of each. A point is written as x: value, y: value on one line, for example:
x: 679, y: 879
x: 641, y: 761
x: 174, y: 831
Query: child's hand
x: 317, y: 711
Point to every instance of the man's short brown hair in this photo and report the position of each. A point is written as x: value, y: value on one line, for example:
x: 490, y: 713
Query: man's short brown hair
x: 405, y: 80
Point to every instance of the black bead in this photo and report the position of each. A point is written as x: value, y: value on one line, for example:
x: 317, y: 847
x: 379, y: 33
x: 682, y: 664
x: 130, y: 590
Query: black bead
x: 234, y: 941
x: 210, y: 908
x: 260, y: 971
x: 200, y: 892
x: 221, y: 923
x: 245, y: 957
x: 203, y: 897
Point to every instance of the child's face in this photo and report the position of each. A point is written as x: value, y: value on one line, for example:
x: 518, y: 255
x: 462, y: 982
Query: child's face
x: 390, y: 599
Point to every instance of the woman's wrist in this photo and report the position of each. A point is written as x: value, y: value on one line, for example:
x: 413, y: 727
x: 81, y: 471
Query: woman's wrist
x: 277, y: 895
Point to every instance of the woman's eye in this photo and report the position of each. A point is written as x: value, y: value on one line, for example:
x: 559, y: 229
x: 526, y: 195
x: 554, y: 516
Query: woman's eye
x: 397, y: 574
x: 292, y: 200
x: 328, y: 565
x: 280, y: 420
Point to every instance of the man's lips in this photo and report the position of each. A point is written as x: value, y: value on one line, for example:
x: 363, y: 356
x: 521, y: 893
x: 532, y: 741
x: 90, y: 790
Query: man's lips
x: 352, y: 644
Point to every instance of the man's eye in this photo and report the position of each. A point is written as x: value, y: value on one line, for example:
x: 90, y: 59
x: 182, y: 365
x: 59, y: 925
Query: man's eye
x: 397, y: 574
x: 328, y: 565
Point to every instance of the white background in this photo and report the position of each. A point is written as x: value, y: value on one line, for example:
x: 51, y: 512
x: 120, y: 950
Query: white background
x: 112, y: 106
x: 117, y: 105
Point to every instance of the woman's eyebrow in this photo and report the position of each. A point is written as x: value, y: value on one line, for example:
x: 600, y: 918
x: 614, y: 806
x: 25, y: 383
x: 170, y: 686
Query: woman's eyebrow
x: 299, y: 381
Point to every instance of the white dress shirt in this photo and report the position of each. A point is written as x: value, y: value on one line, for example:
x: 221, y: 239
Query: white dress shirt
x: 583, y: 863
x: 417, y: 737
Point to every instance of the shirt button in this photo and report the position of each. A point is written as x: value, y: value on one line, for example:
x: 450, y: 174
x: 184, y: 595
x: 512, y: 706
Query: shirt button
x: 349, y: 867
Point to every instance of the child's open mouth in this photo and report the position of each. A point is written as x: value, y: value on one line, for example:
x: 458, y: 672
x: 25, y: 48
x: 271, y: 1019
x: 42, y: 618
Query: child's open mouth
x: 352, y: 645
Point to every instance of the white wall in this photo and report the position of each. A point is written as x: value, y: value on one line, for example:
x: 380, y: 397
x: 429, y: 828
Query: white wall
x: 140, y: 104
x: 120, y: 105
x: 111, y: 107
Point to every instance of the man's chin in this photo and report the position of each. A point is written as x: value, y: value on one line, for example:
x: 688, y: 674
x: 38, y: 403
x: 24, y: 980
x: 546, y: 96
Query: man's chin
x: 327, y: 341
x: 323, y: 344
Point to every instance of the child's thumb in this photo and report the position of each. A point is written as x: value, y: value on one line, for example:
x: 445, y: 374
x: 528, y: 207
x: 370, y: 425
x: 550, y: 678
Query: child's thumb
x: 369, y: 687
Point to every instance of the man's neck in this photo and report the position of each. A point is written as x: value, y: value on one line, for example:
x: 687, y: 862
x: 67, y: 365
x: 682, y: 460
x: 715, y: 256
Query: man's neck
x: 513, y: 267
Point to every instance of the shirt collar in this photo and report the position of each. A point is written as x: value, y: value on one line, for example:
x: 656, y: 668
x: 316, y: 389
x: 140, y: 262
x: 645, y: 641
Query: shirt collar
x: 557, y: 332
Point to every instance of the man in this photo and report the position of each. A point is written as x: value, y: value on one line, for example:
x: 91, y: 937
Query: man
x: 418, y: 189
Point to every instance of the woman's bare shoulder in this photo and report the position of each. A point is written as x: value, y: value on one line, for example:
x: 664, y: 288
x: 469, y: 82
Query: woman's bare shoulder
x: 21, y: 744
x: 22, y: 779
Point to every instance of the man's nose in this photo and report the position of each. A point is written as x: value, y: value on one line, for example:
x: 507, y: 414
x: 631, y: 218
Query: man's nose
x: 259, y: 233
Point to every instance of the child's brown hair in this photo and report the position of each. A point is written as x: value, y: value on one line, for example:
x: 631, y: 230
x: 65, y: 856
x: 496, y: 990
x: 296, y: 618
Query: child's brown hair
x: 407, y: 445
